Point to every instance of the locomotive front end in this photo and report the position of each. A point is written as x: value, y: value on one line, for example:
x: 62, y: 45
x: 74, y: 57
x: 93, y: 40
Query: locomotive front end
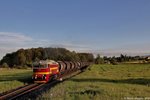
x: 41, y: 72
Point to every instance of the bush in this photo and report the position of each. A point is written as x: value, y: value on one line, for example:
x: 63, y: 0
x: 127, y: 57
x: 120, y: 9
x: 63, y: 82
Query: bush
x: 22, y: 67
x: 25, y: 67
x: 19, y: 67
x: 113, y: 62
x: 5, y: 65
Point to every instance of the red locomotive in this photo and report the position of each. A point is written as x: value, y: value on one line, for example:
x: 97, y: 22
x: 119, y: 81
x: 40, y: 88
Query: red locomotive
x: 46, y: 70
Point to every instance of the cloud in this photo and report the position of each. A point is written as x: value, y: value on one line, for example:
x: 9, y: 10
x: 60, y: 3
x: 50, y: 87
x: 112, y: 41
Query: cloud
x: 71, y: 46
x: 7, y: 37
x: 130, y: 50
x: 10, y: 42
x: 12, y: 39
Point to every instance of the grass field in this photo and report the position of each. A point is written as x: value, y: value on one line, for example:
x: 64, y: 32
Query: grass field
x: 104, y: 82
x: 13, y: 78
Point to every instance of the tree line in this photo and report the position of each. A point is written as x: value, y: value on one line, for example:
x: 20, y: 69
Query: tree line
x: 121, y: 59
x: 25, y: 57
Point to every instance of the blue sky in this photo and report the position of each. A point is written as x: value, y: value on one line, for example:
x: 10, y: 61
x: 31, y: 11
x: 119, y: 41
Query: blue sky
x: 108, y: 27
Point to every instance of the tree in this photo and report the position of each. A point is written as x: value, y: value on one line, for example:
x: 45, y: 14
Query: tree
x: 86, y: 57
x: 99, y: 60
x: 113, y: 61
x: 21, y: 59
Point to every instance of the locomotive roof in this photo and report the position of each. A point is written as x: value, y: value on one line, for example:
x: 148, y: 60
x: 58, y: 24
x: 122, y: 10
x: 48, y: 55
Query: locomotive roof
x: 46, y: 62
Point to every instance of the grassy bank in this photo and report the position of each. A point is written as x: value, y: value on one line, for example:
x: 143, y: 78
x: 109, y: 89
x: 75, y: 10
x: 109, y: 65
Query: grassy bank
x: 13, y: 78
x: 109, y: 82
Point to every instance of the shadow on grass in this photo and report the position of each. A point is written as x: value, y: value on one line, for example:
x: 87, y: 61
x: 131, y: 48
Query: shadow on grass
x: 22, y: 77
x: 88, y: 92
x: 140, y: 81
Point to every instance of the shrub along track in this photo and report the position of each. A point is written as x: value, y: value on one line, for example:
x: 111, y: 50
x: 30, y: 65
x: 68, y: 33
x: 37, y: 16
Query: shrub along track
x: 31, y: 91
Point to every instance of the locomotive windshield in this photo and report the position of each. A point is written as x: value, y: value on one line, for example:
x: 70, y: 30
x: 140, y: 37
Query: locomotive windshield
x: 39, y: 65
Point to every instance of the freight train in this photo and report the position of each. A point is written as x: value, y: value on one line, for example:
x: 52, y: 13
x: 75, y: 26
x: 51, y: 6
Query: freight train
x: 47, y: 70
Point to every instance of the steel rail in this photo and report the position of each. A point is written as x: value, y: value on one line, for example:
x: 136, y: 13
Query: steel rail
x: 14, y: 94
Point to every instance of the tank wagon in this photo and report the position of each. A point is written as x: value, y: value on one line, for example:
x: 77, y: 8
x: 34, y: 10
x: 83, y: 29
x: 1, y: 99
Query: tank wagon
x: 46, y: 70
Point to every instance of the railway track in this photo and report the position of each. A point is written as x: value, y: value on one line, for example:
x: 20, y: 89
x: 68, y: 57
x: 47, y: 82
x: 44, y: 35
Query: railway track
x: 28, y: 89
x: 20, y: 91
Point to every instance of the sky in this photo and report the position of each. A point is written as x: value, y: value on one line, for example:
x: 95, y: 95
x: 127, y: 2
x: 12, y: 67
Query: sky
x: 105, y: 27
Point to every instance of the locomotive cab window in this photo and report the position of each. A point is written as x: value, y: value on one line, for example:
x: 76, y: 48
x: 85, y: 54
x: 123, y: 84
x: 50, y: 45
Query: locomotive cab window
x: 43, y: 65
x: 40, y: 66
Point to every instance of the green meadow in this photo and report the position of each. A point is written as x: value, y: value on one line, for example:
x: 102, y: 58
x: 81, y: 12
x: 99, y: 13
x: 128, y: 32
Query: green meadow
x: 13, y: 78
x: 104, y: 82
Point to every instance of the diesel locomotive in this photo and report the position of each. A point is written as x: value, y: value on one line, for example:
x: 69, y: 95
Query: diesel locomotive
x: 47, y: 70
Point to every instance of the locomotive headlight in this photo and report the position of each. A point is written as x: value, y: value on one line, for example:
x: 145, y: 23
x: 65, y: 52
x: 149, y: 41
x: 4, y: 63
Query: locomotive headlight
x: 44, y: 76
x: 35, y: 76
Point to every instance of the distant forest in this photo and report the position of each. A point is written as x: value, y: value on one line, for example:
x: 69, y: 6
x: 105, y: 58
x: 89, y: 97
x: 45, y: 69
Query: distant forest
x: 25, y: 57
